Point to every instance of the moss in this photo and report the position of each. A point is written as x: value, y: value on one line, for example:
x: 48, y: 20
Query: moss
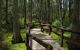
x: 20, y: 46
x: 8, y: 38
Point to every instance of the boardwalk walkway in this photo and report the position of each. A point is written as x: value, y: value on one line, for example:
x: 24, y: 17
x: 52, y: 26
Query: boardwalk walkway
x: 45, y: 39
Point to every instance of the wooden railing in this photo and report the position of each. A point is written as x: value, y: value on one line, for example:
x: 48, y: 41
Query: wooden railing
x: 60, y: 35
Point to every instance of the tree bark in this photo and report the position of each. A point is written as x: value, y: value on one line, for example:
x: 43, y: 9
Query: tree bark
x: 74, y: 42
x: 16, y: 28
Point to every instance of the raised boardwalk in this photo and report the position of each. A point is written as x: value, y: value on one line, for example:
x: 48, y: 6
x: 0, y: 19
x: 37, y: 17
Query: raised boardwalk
x: 42, y: 41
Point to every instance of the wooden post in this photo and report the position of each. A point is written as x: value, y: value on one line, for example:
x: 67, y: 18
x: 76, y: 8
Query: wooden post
x: 28, y: 39
x: 62, y: 37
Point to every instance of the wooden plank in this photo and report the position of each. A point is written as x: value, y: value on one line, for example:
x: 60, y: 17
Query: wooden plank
x: 41, y: 43
x: 45, y: 24
x: 42, y: 36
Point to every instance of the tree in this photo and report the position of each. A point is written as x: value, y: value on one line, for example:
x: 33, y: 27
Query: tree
x: 16, y: 28
x: 74, y: 42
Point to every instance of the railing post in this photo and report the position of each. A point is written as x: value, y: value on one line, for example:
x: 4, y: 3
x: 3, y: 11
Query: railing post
x: 28, y: 39
x: 49, y: 48
x: 50, y: 29
x: 62, y: 37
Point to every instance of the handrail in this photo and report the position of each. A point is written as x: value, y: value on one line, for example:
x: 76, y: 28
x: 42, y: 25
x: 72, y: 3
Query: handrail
x: 65, y: 30
x: 42, y: 42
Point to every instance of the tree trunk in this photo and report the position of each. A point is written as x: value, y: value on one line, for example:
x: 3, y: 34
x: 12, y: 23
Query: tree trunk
x: 16, y: 28
x: 74, y: 42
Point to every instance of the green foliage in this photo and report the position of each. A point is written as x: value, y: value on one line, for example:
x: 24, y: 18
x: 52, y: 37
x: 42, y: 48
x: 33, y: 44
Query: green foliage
x: 58, y: 39
x: 7, y: 41
x: 55, y: 37
x: 20, y: 46
x: 23, y: 33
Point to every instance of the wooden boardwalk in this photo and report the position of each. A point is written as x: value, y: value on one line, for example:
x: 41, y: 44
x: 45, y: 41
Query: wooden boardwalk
x: 44, y: 40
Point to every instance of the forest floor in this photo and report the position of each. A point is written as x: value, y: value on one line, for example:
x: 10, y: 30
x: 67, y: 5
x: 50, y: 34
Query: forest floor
x: 18, y: 46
